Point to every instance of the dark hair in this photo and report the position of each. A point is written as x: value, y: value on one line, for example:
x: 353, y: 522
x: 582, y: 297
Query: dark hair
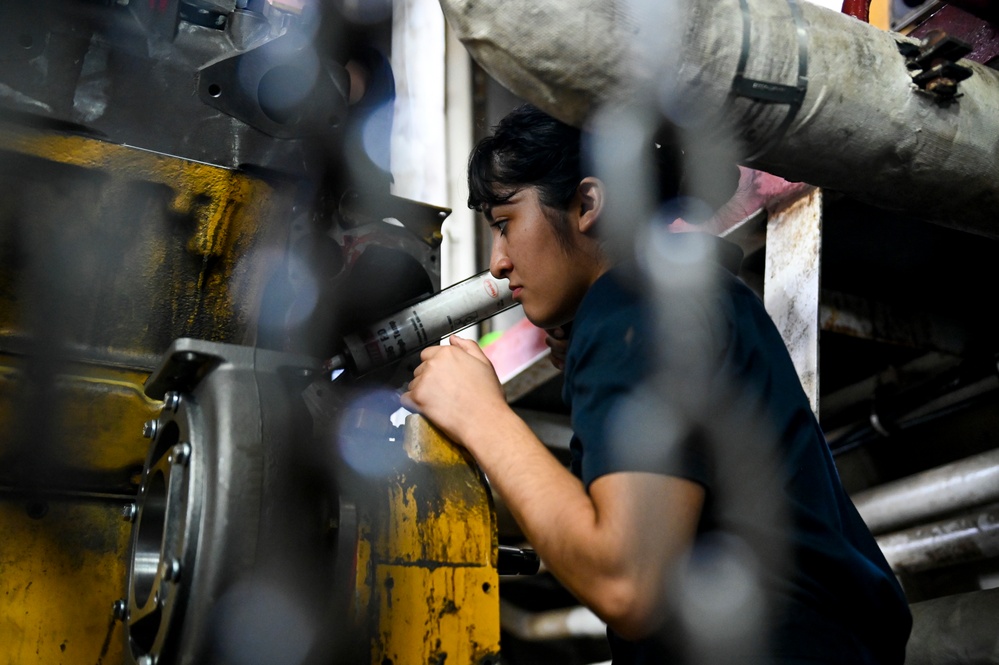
x: 528, y: 148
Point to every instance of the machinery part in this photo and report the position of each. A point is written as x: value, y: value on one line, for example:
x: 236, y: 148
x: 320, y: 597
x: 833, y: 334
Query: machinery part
x: 227, y: 506
x: 62, y: 558
x: 423, y: 323
x: 972, y: 536
x: 962, y: 485
x: 955, y: 629
x: 282, y: 87
x: 517, y: 561
x: 140, y: 75
x: 861, y: 98
x: 934, y: 63
x: 201, y: 227
x: 431, y: 555
x: 111, y: 252
x: 358, y: 208
x: 970, y: 21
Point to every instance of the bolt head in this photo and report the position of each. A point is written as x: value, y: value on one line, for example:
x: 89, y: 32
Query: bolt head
x: 120, y: 609
x: 942, y: 87
x: 181, y: 454
x: 171, y: 401
x: 129, y: 512
x: 149, y: 429
x: 171, y: 570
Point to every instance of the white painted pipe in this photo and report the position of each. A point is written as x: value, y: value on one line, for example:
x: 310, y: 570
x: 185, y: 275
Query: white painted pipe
x: 961, y: 485
x: 863, y: 127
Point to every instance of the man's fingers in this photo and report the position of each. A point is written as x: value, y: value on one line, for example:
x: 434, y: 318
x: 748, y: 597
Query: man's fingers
x: 469, y: 346
x: 407, y: 401
x: 429, y: 352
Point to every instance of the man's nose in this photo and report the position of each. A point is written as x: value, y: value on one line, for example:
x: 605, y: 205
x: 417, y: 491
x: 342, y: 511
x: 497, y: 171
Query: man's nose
x: 499, y: 263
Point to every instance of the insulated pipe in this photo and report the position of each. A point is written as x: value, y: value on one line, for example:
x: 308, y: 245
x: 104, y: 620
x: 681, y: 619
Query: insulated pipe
x: 863, y: 127
x: 970, y: 482
x: 969, y: 537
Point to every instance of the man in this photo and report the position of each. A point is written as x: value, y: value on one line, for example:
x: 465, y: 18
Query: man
x: 617, y: 531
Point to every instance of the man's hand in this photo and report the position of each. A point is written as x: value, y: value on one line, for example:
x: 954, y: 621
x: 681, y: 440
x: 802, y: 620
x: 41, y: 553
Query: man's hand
x: 456, y: 388
x: 558, y: 341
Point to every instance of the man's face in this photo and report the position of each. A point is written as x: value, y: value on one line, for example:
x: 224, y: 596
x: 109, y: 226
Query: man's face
x: 548, y: 277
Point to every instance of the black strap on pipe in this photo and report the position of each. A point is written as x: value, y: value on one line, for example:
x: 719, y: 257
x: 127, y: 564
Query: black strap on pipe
x: 773, y: 93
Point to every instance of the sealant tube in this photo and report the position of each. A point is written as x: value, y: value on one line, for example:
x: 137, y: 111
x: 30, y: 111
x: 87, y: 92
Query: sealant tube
x: 423, y: 323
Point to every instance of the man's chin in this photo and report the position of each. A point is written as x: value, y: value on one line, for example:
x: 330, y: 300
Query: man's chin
x: 546, y: 323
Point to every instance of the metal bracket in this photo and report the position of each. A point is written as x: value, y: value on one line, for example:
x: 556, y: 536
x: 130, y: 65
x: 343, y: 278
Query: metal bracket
x: 935, y: 63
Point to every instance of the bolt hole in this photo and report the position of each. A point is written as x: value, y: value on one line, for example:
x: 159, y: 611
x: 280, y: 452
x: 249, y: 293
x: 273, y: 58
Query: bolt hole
x: 25, y: 41
x: 215, y: 90
x: 486, y: 587
x: 36, y: 510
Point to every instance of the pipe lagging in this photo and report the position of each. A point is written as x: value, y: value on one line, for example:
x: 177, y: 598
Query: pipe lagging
x: 970, y: 482
x: 864, y: 128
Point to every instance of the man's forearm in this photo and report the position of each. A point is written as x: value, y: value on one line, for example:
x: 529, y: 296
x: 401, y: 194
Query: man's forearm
x: 594, y: 558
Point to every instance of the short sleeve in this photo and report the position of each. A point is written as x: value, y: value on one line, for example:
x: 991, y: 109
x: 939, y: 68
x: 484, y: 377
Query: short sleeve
x: 615, y: 427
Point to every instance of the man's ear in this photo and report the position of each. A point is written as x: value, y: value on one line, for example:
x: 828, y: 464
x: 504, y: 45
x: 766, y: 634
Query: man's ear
x: 591, y: 202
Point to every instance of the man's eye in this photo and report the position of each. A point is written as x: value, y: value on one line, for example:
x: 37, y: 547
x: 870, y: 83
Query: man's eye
x: 500, y: 226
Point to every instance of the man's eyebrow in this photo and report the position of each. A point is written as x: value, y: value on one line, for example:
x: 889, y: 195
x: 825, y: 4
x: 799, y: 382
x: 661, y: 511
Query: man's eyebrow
x: 511, y: 199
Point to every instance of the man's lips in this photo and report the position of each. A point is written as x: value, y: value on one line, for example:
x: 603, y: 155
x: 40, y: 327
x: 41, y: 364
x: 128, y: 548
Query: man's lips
x: 516, y: 291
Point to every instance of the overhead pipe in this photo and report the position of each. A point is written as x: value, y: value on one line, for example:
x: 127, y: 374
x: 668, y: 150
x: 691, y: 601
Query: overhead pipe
x: 954, y: 487
x: 813, y: 95
x: 940, y: 397
x: 882, y: 422
x: 973, y: 536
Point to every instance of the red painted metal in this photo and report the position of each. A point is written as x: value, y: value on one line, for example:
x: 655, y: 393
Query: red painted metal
x: 860, y: 9
x: 982, y: 35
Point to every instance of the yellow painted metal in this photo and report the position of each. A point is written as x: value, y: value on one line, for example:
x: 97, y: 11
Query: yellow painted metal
x: 60, y: 572
x: 95, y: 416
x: 117, y: 251
x: 431, y: 567
x: 175, y: 248
x: 879, y: 14
x: 160, y: 247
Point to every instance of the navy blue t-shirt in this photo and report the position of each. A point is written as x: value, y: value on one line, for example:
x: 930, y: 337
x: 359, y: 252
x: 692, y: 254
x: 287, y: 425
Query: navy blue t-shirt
x: 837, y: 600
